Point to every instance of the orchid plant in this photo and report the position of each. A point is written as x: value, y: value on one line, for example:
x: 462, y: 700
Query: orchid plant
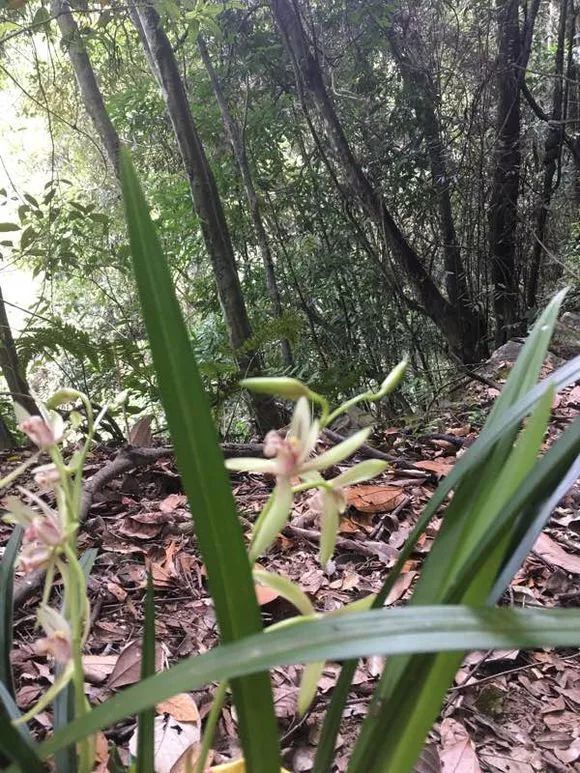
x: 293, y: 460
x: 49, y: 542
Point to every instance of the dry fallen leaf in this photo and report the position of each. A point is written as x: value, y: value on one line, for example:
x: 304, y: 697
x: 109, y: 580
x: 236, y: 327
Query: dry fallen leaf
x: 181, y: 707
x: 101, y: 754
x: 439, y: 467
x: 265, y: 595
x: 374, y: 499
x: 98, y: 667
x: 172, y: 739
x: 127, y: 669
x: 457, y: 754
x: 553, y: 554
x: 172, y: 502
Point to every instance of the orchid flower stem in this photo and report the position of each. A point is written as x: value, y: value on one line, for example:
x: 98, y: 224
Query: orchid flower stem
x: 47, y: 585
x: 323, y: 402
x: 320, y: 484
x: 210, y: 726
x: 368, y: 396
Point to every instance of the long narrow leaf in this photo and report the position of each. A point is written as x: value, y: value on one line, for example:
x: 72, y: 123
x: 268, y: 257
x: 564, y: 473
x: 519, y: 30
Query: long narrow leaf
x: 6, y: 607
x: 503, y: 421
x: 16, y: 746
x: 146, y: 723
x: 202, y: 471
x: 403, y: 703
x: 380, y: 632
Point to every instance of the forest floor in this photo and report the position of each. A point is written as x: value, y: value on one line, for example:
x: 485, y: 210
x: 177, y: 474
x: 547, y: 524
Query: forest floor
x: 507, y: 711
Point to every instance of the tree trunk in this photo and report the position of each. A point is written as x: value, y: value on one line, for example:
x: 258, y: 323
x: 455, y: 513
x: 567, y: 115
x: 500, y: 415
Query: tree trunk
x: 464, y: 339
x: 514, y: 47
x: 205, y: 196
x: 206, y: 201
x: 239, y: 150
x: 552, y: 152
x: 85, y: 76
x: 423, y: 96
x: 573, y: 96
x: 16, y: 380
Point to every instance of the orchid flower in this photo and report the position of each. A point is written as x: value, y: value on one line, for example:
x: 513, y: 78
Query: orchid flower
x: 288, y: 458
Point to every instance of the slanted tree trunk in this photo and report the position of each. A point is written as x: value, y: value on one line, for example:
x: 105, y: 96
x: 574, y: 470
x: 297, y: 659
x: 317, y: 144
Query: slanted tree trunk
x: 239, y: 150
x: 423, y: 95
x: 16, y: 380
x: 85, y: 77
x: 552, y: 153
x: 514, y: 48
x: 573, y: 95
x: 463, y: 336
x: 204, y: 192
x: 206, y: 200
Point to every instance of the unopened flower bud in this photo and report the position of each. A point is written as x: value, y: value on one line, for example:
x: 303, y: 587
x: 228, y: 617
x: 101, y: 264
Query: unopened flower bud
x: 39, y: 431
x: 290, y: 388
x: 34, y: 556
x: 392, y: 380
x: 46, y: 476
x: 57, y: 643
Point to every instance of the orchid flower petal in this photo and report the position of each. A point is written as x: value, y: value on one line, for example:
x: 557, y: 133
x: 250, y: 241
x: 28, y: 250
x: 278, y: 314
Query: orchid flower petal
x: 249, y: 464
x: 301, y: 422
x: 308, y: 684
x: 286, y: 588
x: 341, y: 451
x: 329, y: 522
x: 274, y: 520
x: 359, y: 472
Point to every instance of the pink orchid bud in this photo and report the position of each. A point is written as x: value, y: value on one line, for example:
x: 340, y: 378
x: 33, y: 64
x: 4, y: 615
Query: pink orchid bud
x: 45, y: 531
x: 34, y: 556
x: 37, y: 429
x: 57, y: 646
x: 46, y: 476
x: 57, y: 643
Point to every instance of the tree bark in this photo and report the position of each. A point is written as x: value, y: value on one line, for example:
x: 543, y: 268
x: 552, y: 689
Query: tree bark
x: 423, y: 96
x: 85, y: 77
x: 514, y: 48
x: 205, y: 196
x: 239, y: 150
x: 464, y: 339
x: 552, y: 153
x: 16, y: 380
x: 206, y: 201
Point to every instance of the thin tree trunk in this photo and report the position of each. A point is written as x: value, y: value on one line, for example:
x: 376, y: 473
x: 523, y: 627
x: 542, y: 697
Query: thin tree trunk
x: 514, y: 47
x: 422, y: 91
x: 85, y: 77
x: 206, y: 201
x: 239, y: 150
x: 552, y: 152
x: 462, y: 338
x: 573, y: 96
x: 16, y: 380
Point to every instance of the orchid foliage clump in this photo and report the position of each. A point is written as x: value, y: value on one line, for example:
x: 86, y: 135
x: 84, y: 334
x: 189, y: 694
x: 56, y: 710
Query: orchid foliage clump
x: 293, y: 461
x: 49, y: 541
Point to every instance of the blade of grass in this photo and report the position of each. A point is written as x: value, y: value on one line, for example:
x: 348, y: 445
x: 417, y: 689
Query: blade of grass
x: 146, y: 722
x: 202, y: 471
x: 381, y: 632
x: 510, y: 407
x: 6, y: 607
x: 407, y: 705
x: 15, y: 744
